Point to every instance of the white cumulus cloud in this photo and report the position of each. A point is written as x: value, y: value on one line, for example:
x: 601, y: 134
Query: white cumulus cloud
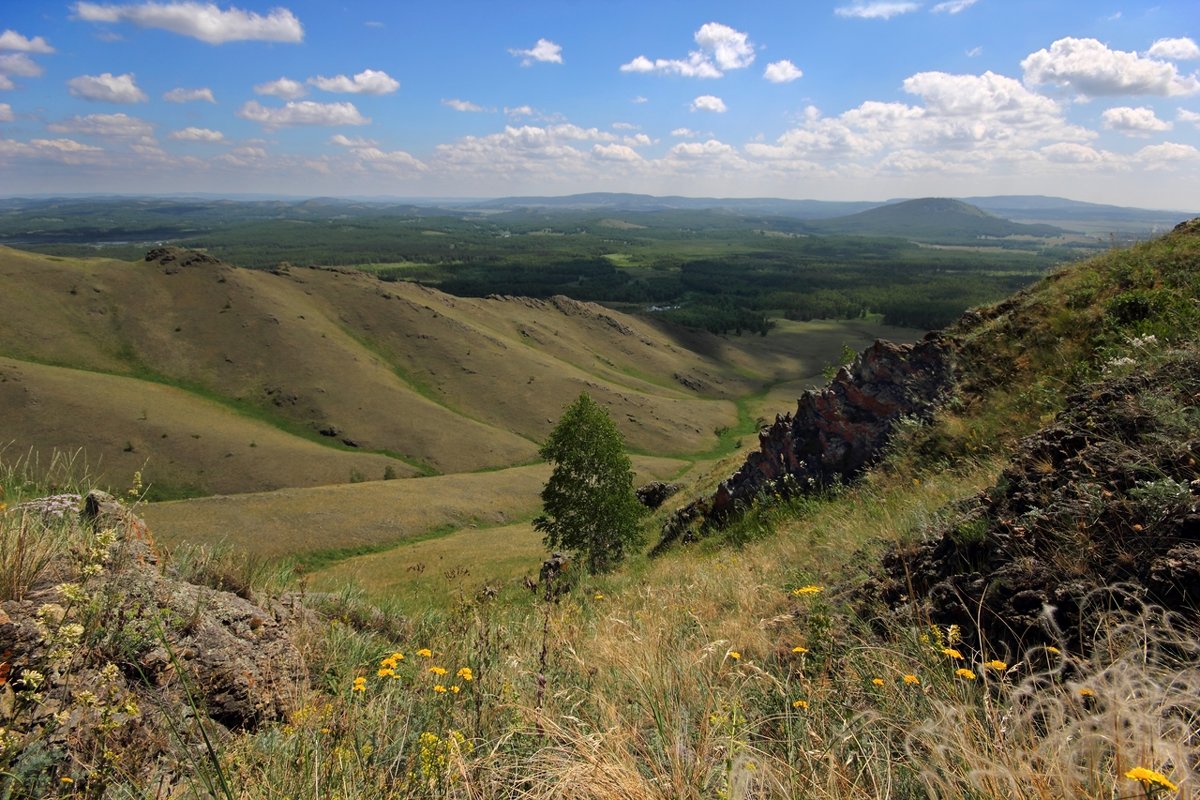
x: 782, y: 72
x: 1093, y: 69
x: 722, y: 48
x: 203, y: 21
x: 11, y: 40
x: 345, y: 141
x: 6, y: 114
x: 1072, y: 153
x: 952, y: 6
x: 1181, y: 49
x: 283, y: 88
x: 708, y: 102
x: 615, y: 152
x: 730, y: 48
x: 120, y: 125
x: 19, y: 64
x: 462, y: 105
x: 369, y: 81
x: 197, y: 135
x: 182, y: 95
x: 6, y: 84
x: 1183, y: 115
x: 544, y: 51
x: 685, y: 133
x: 107, y: 88
x: 1134, y: 121
x: 886, y: 9
x: 1167, y: 153
x: 302, y: 112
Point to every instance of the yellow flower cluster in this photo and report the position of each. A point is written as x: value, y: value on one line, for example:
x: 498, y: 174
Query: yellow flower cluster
x: 1149, y: 776
x: 805, y: 590
x: 965, y: 674
x: 996, y: 664
x: 800, y: 704
x: 360, y: 684
x: 950, y: 652
x: 466, y: 674
x: 911, y: 680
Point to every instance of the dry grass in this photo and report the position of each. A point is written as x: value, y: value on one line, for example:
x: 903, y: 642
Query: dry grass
x: 679, y: 679
x: 365, y: 516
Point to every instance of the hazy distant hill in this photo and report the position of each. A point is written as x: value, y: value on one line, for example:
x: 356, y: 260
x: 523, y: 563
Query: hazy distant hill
x: 932, y: 219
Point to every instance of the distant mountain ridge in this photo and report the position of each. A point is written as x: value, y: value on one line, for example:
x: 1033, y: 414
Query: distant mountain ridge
x: 1017, y: 208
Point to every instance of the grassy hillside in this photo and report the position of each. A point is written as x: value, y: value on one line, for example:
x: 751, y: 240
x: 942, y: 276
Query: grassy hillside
x: 752, y: 664
x: 372, y: 377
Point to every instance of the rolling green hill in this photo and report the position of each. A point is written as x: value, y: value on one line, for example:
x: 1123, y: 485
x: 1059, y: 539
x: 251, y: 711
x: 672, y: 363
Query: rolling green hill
x: 207, y: 374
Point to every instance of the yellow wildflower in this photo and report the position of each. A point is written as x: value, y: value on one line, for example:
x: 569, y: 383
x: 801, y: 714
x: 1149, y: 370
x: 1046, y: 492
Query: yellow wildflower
x: 1149, y: 776
x: 360, y: 684
x: 439, y: 671
x: 799, y: 649
x: 952, y: 653
x: 965, y: 674
x: 735, y: 655
x: 439, y: 689
x: 810, y: 589
x: 386, y: 672
x: 1086, y: 692
x: 996, y: 664
x: 911, y: 680
x: 456, y: 688
x: 397, y: 656
x: 599, y: 596
x: 800, y: 704
x: 1052, y: 649
x: 425, y: 652
x: 877, y: 681
x: 64, y: 779
x: 466, y: 674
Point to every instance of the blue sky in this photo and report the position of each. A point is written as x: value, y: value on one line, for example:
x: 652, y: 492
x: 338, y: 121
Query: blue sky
x: 850, y: 99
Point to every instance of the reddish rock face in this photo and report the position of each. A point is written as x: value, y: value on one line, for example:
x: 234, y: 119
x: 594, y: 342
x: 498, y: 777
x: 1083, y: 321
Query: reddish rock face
x: 836, y: 431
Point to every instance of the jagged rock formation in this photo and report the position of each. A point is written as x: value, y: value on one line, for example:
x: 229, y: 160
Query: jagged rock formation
x: 1099, y: 511
x: 836, y: 431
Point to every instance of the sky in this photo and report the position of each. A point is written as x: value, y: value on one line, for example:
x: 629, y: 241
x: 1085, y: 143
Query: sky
x: 1095, y: 100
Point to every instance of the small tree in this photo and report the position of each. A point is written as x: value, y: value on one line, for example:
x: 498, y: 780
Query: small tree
x: 589, y: 504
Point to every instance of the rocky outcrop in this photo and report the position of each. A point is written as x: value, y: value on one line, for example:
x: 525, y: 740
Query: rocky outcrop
x: 1098, y: 512
x: 107, y: 629
x: 173, y: 259
x: 655, y: 493
x: 836, y: 431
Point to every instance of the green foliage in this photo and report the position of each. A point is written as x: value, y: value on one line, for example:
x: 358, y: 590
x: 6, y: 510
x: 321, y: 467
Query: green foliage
x: 590, y: 507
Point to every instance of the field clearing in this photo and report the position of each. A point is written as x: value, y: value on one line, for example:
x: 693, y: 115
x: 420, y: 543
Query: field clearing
x: 429, y: 574
x: 338, y: 520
